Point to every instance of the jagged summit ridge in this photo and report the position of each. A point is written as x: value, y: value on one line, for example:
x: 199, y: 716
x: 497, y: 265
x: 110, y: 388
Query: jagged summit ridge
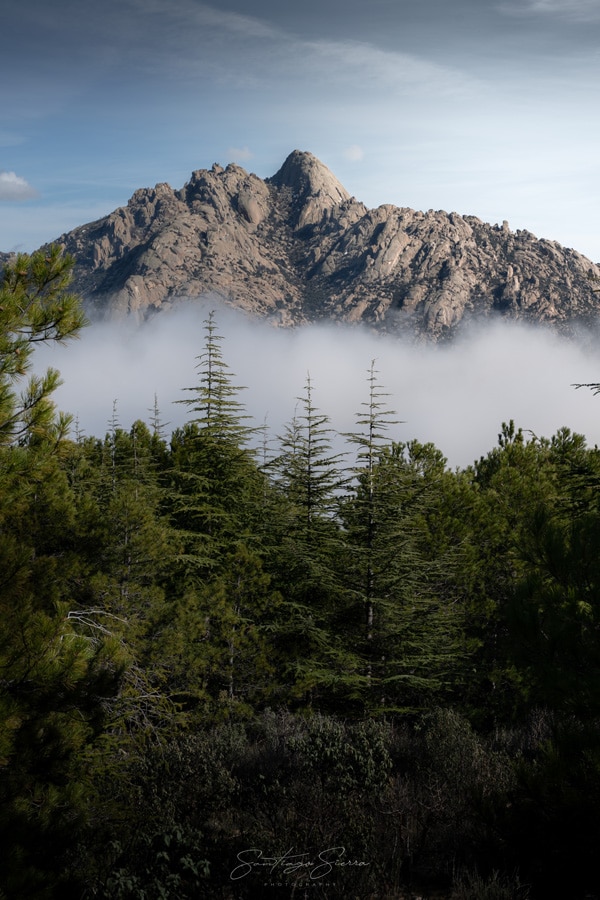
x: 297, y: 247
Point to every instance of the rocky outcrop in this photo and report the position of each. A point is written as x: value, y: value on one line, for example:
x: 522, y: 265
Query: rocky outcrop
x: 316, y: 194
x: 5, y: 258
x: 296, y: 247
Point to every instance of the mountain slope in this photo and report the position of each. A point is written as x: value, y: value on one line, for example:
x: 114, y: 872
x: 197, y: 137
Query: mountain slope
x: 296, y: 247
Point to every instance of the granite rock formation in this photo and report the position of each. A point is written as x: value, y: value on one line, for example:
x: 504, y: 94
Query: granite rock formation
x: 298, y: 248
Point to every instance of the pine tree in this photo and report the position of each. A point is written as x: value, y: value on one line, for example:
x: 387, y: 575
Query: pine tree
x: 35, y: 307
x: 552, y: 618
x: 214, y: 406
x: 509, y: 484
x: 307, y: 468
x: 216, y: 499
x: 213, y: 468
x: 362, y: 510
x: 307, y: 472
x: 54, y: 680
x: 407, y: 636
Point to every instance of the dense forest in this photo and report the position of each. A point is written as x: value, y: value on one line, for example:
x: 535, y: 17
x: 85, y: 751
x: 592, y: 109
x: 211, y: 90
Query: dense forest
x: 234, y: 666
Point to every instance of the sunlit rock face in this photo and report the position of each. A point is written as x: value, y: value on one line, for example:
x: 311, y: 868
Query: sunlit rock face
x: 297, y: 247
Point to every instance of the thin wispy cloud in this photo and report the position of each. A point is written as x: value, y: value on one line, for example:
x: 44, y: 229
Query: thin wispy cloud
x: 248, y: 26
x: 189, y: 40
x: 14, y: 188
x: 367, y: 67
x: 239, y: 154
x: 573, y: 10
x: 174, y: 41
x: 187, y: 16
x: 10, y: 139
x: 354, y: 153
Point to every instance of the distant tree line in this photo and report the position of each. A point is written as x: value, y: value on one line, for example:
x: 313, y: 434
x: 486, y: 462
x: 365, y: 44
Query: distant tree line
x: 216, y: 651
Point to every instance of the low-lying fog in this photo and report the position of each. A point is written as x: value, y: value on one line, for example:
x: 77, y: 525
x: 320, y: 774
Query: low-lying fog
x: 456, y: 396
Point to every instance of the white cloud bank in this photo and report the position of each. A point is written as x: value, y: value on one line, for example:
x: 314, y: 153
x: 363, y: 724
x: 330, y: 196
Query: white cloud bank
x: 455, y: 396
x: 13, y: 187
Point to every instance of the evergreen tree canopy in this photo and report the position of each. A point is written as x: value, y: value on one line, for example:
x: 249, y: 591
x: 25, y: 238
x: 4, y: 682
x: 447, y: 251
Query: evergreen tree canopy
x: 54, y: 680
x: 35, y: 307
x: 214, y: 406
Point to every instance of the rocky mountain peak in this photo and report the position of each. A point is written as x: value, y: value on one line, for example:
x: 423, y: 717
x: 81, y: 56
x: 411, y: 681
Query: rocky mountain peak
x: 222, y: 191
x: 316, y: 192
x: 297, y: 248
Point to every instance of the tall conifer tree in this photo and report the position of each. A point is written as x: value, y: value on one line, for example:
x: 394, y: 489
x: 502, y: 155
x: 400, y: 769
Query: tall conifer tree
x: 406, y: 636
x: 221, y: 617
x: 308, y: 473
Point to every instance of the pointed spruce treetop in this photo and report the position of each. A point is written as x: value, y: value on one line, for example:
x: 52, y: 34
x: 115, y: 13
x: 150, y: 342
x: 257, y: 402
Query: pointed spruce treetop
x: 214, y: 406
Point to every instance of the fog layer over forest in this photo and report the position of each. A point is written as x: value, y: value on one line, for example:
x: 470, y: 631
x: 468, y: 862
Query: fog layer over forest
x: 455, y: 395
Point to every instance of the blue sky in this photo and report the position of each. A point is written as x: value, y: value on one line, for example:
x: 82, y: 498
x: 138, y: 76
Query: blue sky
x: 485, y: 107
